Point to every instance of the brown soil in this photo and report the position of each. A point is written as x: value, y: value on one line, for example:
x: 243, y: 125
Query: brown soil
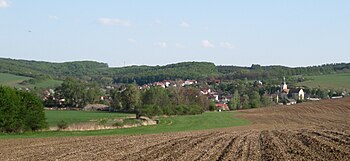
x: 308, y: 131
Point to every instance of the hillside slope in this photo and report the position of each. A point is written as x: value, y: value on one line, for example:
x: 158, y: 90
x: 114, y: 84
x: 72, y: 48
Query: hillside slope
x: 103, y: 74
x: 100, y: 72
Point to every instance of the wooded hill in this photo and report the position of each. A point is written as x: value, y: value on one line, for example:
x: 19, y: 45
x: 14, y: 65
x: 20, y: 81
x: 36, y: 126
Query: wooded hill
x: 257, y: 72
x: 102, y: 73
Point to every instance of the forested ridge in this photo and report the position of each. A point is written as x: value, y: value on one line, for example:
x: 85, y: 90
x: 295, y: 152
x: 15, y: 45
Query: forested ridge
x: 36, y: 69
x: 264, y: 72
x: 103, y: 74
x: 100, y: 72
x: 148, y: 74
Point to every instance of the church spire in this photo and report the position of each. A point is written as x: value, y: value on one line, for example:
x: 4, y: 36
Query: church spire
x: 284, y: 86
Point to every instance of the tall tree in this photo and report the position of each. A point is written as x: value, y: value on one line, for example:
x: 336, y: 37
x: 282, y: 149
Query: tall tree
x: 131, y: 97
x: 20, y: 111
x: 254, y: 99
x: 266, y: 101
x: 77, y: 93
x: 10, y: 116
x: 236, y: 100
x: 116, y: 100
x: 156, y: 96
x: 33, y: 114
x: 245, y: 103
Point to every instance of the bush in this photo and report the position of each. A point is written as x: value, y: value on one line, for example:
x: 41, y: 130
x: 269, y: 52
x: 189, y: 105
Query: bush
x: 118, y: 124
x: 103, y: 122
x: 212, y: 107
x: 151, y: 110
x: 195, y: 109
x: 131, y: 121
x: 168, y: 110
x: 62, y: 125
x: 20, y: 111
x: 33, y: 112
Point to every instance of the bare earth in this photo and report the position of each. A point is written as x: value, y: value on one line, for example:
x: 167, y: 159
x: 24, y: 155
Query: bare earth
x: 309, y: 131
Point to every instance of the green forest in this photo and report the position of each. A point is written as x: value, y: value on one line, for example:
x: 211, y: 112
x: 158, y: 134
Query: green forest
x: 102, y: 74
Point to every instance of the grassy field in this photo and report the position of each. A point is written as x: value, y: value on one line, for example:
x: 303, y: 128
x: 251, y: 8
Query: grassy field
x: 207, y: 120
x: 53, y: 116
x: 331, y: 81
x: 49, y: 83
x: 14, y: 80
x: 11, y: 80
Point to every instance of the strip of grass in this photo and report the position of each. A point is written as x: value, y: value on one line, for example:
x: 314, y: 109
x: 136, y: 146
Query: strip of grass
x: 15, y: 80
x: 331, y: 81
x: 55, y: 116
x: 207, y: 120
x: 48, y: 83
x: 11, y: 80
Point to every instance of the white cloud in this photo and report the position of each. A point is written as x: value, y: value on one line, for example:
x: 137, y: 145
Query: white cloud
x: 207, y: 44
x: 226, y: 45
x: 184, y: 24
x: 53, y: 17
x: 4, y: 4
x: 131, y: 40
x: 180, y: 46
x: 115, y: 21
x: 161, y: 44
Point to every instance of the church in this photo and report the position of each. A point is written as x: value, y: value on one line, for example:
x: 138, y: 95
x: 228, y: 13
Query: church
x: 291, y: 95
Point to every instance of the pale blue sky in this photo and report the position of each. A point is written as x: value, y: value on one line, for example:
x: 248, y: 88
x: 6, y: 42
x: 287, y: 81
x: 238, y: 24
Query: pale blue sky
x: 158, y: 32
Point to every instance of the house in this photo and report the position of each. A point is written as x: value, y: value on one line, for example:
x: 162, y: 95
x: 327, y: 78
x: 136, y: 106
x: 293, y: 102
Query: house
x: 189, y: 82
x: 258, y: 83
x: 226, y: 99
x: 206, y: 91
x: 222, y: 107
x: 166, y: 83
x: 297, y: 94
x: 145, y: 86
x: 214, y: 97
x: 159, y: 84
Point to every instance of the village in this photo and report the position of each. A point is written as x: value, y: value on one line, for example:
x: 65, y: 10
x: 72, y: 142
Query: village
x: 285, y: 96
x: 221, y: 99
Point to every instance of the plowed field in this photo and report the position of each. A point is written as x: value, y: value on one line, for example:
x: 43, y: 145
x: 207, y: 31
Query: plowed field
x: 308, y: 131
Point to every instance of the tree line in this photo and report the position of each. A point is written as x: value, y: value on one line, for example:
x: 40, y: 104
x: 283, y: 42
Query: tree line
x: 129, y: 98
x: 75, y: 94
x: 159, y: 101
x: 102, y: 74
x: 258, y: 72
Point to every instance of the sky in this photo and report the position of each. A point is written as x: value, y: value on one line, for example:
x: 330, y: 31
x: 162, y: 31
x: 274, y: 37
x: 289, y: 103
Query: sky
x: 158, y: 32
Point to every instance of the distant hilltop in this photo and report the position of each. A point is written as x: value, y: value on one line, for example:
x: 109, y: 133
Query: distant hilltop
x: 101, y: 72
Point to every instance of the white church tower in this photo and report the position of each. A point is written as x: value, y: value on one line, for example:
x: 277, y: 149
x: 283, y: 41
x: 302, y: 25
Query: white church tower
x: 284, y: 86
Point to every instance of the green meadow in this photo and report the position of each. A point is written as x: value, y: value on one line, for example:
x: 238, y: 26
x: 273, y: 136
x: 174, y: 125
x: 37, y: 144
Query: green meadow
x: 11, y: 80
x: 330, y: 81
x: 207, y: 120
x: 55, y: 116
x: 15, y: 80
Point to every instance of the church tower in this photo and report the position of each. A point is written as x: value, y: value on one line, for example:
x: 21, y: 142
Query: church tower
x: 284, y: 86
